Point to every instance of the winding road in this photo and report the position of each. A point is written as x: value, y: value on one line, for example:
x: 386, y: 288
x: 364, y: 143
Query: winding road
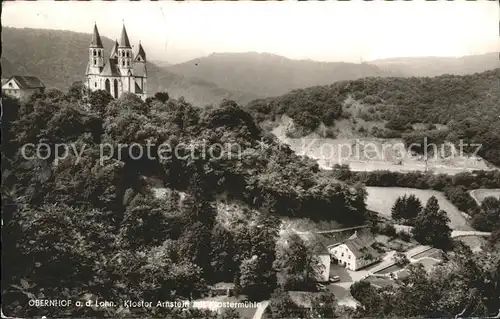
x: 330, y: 231
x: 464, y: 233
x: 473, y: 193
x: 261, y: 309
x: 454, y: 233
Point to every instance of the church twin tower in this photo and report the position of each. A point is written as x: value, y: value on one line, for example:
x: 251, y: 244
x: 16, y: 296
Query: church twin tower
x: 121, y: 72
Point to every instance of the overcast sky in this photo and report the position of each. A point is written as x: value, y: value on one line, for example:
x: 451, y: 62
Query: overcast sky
x: 323, y: 31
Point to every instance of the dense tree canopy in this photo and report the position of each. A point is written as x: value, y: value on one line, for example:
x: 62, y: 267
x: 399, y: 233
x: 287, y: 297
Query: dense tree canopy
x: 467, y: 105
x: 298, y: 268
x: 93, y: 206
x: 431, y: 225
x: 406, y: 209
x: 467, y: 285
x: 87, y: 225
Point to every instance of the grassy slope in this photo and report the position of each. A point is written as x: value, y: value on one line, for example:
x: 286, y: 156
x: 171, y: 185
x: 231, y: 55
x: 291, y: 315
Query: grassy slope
x: 330, y: 151
x: 266, y: 74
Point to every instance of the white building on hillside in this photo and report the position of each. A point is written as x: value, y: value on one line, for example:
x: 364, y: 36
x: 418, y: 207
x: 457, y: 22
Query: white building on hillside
x: 22, y: 87
x: 356, y: 252
x: 124, y: 71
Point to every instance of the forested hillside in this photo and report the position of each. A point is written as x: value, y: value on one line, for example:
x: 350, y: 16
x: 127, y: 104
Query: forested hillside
x: 468, y: 106
x: 268, y: 74
x: 101, y: 233
x: 434, y: 66
x: 59, y: 58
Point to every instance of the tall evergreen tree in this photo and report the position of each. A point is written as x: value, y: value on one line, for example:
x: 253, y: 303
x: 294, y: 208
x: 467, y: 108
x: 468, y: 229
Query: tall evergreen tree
x: 398, y: 208
x: 431, y: 225
x: 413, y: 207
x: 297, y: 267
x: 406, y: 208
x: 222, y: 255
x: 432, y: 205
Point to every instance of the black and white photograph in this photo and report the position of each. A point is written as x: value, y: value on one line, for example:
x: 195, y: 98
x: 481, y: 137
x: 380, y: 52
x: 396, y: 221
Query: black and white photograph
x: 250, y: 159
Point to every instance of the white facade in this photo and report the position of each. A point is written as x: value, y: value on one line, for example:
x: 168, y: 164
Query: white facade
x: 325, y: 262
x: 351, y: 260
x: 344, y: 256
x: 16, y: 89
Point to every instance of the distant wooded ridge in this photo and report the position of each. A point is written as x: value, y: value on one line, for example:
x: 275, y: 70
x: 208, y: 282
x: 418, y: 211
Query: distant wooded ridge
x: 59, y: 58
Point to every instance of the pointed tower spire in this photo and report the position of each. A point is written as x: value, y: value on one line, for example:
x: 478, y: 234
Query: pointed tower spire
x: 96, y: 38
x: 114, y: 50
x: 141, y: 54
x: 124, y: 42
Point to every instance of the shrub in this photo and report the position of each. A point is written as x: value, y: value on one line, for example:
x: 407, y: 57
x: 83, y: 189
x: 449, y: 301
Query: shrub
x: 388, y: 230
x: 400, y: 259
x: 404, y: 236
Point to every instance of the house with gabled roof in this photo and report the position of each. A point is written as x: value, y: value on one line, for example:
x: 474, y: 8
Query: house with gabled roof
x: 22, y: 87
x: 124, y: 71
x: 356, y: 252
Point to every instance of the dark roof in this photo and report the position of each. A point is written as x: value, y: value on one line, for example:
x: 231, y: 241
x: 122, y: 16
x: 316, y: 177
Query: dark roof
x: 139, y: 69
x: 27, y: 82
x: 111, y: 68
x: 137, y: 88
x: 141, y: 53
x: 124, y: 42
x: 96, y: 38
x: 114, y: 50
x: 361, y: 246
x: 318, y: 248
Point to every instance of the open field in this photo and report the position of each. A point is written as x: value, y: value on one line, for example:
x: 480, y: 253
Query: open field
x: 381, y: 199
x: 369, y: 154
x: 480, y: 194
x: 474, y: 242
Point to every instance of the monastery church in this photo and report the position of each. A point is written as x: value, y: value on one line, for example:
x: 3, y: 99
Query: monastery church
x: 121, y: 72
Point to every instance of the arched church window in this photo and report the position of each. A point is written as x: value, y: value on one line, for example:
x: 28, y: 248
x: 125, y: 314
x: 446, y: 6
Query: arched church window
x: 99, y: 53
x: 128, y: 54
x: 95, y: 53
x: 95, y: 61
x: 123, y: 62
x: 128, y: 63
x: 95, y: 84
